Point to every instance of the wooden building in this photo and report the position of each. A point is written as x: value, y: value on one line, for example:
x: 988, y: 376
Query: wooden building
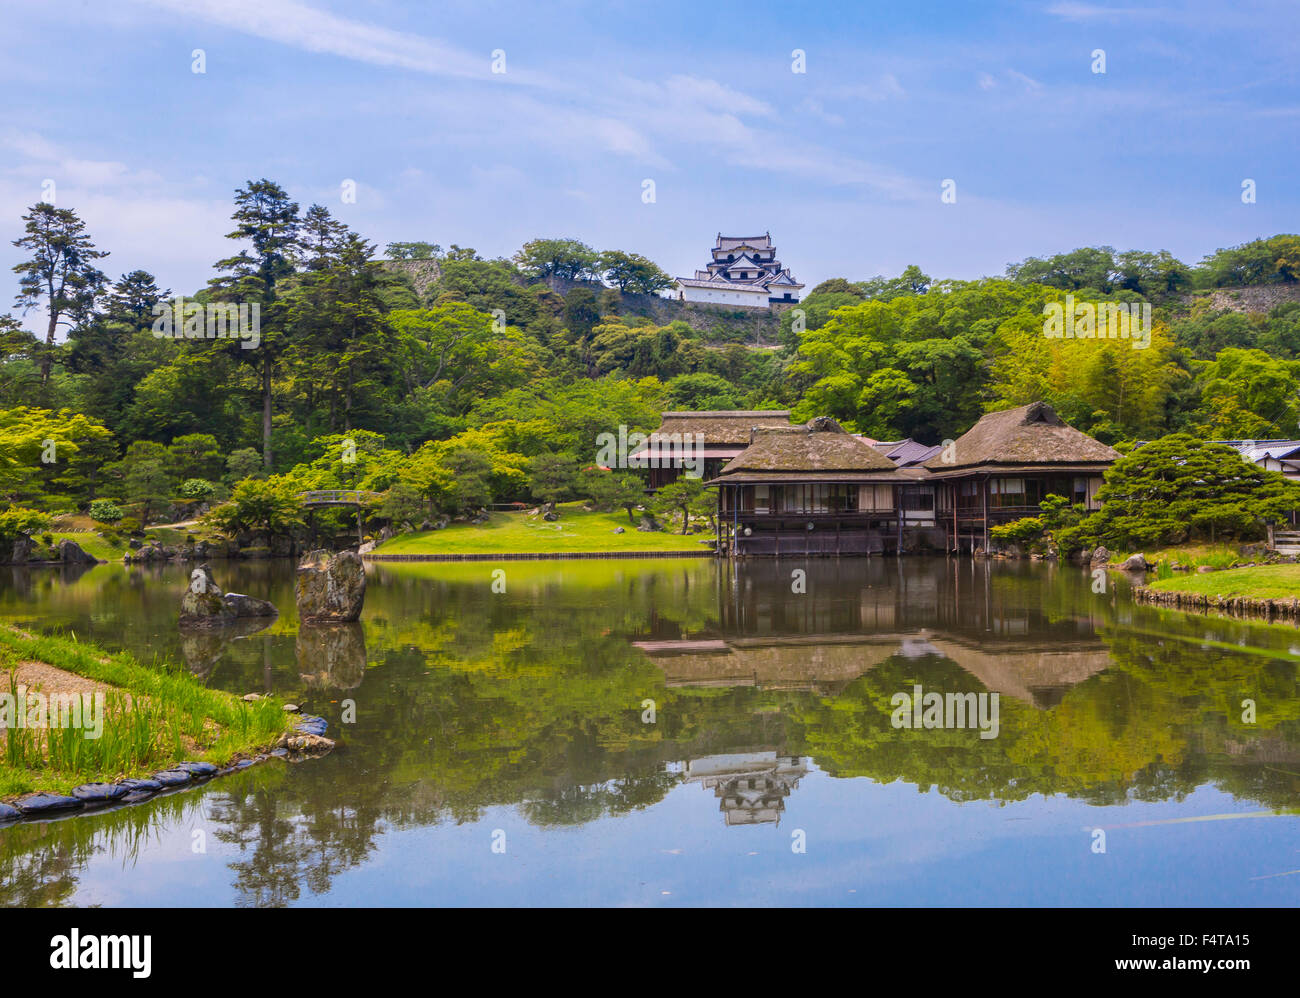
x: 815, y: 489
x: 810, y: 489
x: 1006, y: 464
x: 708, y: 438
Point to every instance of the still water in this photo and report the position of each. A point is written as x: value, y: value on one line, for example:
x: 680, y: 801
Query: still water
x: 687, y: 732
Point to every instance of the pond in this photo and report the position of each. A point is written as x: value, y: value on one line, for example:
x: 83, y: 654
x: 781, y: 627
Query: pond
x: 692, y: 732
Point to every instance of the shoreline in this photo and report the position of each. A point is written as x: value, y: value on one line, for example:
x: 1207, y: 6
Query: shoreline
x: 224, y: 733
x: 1248, y: 607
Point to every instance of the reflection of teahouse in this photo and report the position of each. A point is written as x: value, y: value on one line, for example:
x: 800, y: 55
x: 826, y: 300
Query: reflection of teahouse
x: 751, y: 786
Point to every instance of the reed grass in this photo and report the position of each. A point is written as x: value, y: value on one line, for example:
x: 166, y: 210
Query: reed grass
x: 154, y: 717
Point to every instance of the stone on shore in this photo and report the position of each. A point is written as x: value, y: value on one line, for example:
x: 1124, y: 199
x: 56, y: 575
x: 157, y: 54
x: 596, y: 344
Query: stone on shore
x: 330, y: 588
x: 1135, y: 563
x: 71, y: 553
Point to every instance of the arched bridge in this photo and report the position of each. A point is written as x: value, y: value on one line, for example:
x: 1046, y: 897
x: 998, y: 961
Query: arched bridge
x: 321, y: 498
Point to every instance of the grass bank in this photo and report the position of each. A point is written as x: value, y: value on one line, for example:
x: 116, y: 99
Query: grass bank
x: 574, y: 532
x: 94, y: 544
x: 1257, y: 582
x: 1169, y: 560
x: 154, y: 716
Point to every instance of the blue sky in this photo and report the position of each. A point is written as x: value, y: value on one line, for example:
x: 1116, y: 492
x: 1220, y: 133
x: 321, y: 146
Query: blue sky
x: 842, y: 163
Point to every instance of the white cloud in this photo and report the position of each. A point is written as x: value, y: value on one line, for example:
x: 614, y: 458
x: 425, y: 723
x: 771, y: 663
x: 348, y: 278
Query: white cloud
x: 300, y: 26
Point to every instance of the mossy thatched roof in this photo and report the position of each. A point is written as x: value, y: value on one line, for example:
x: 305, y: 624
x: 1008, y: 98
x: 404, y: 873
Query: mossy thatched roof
x: 723, y: 426
x: 1029, y: 435
x: 821, y: 447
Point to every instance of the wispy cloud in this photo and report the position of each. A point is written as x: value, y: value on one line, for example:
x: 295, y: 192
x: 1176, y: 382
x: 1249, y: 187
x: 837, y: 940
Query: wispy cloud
x: 296, y: 24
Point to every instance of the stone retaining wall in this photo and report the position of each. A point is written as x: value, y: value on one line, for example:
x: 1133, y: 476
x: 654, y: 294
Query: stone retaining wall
x: 538, y: 556
x: 1237, y: 606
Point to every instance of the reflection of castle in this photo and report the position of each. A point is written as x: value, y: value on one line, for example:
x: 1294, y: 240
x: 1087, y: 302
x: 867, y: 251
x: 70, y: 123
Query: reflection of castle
x: 751, y: 786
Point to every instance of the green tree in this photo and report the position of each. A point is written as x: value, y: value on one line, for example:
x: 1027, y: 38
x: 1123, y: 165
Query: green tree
x: 608, y: 490
x: 267, y: 506
x: 569, y: 259
x: 687, y: 496
x: 553, y: 477
x: 632, y: 272
x: 267, y: 219
x: 413, y: 251
x: 1178, y: 488
x: 144, y: 476
x: 60, y: 275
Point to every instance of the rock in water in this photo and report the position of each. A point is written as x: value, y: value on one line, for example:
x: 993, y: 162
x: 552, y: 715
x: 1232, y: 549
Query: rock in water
x: 330, y: 588
x: 205, y: 605
x: 249, y: 606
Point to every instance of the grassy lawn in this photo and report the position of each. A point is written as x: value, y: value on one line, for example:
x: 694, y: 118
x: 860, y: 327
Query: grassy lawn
x: 94, y: 545
x: 575, y: 531
x: 1260, y: 582
x: 154, y: 716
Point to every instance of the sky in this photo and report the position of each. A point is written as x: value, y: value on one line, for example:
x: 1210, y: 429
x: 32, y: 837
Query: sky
x: 844, y: 162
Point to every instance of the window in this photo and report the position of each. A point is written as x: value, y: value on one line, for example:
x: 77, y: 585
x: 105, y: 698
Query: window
x: 761, y: 499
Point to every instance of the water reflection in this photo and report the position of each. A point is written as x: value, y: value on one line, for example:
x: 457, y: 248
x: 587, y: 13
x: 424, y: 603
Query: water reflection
x: 469, y: 701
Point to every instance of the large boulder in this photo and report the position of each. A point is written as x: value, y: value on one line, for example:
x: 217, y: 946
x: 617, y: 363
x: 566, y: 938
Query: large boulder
x: 21, y: 552
x: 1135, y: 563
x: 205, y: 605
x: 330, y: 588
x: 1101, y: 556
x: 70, y: 553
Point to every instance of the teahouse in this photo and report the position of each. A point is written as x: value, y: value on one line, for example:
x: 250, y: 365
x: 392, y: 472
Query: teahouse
x: 1006, y: 464
x: 815, y: 489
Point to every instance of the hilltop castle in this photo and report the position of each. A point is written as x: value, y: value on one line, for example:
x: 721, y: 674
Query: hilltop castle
x: 744, y: 271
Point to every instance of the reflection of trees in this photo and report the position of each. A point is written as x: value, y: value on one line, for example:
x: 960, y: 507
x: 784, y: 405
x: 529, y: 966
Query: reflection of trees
x: 532, y: 699
x: 39, y: 861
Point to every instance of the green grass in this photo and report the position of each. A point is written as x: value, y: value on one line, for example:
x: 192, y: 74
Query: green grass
x: 94, y: 545
x: 575, y: 531
x: 1260, y: 582
x: 178, y: 719
x: 1216, y: 556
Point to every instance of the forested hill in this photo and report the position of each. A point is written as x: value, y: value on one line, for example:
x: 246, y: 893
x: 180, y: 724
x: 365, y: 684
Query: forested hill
x: 449, y: 372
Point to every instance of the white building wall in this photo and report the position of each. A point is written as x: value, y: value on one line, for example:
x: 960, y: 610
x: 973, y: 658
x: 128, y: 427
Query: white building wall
x: 726, y: 296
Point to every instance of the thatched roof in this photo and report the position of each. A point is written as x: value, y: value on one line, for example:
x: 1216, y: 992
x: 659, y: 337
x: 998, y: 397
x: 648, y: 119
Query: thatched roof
x: 723, y: 426
x: 1030, y: 435
x: 817, y: 451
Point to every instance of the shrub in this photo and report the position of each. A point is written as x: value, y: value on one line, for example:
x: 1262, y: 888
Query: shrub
x: 197, y: 488
x: 105, y: 511
x: 128, y: 525
x: 17, y: 520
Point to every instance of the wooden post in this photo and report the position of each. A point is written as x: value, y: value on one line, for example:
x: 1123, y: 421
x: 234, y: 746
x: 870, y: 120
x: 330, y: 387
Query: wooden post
x: 898, y: 518
x: 984, y: 491
x: 956, y: 531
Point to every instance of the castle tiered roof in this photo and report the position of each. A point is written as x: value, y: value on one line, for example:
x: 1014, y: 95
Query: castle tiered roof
x: 746, y: 263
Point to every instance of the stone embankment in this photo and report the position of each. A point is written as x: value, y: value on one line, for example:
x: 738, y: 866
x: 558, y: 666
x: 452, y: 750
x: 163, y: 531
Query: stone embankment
x: 307, y: 740
x: 1237, y: 606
